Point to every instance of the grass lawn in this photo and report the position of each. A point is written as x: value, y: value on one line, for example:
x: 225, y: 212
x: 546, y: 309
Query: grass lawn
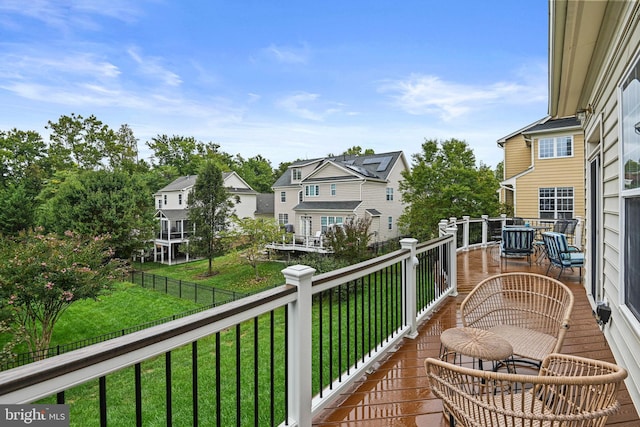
x: 231, y: 272
x: 130, y: 305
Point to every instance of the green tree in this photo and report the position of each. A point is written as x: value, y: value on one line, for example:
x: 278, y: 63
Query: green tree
x: 17, y: 209
x: 43, y: 275
x: 209, y: 207
x: 79, y: 142
x: 356, y: 150
x: 256, y: 171
x: 351, y: 240
x: 100, y: 202
x: 186, y: 155
x: 22, y: 155
x: 122, y: 151
x: 445, y: 182
x: 257, y: 233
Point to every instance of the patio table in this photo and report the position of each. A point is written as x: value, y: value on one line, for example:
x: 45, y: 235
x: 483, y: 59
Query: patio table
x: 479, y: 344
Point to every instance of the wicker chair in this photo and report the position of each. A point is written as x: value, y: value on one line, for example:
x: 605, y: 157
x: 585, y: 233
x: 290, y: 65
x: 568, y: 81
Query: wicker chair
x: 569, y: 391
x: 530, y: 311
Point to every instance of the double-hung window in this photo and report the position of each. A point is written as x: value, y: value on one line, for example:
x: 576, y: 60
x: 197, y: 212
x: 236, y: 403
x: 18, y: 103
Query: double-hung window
x: 283, y: 196
x: 180, y: 199
x: 630, y: 188
x: 555, y: 202
x: 283, y: 218
x: 311, y: 190
x: 333, y: 189
x: 389, y: 194
x: 550, y: 148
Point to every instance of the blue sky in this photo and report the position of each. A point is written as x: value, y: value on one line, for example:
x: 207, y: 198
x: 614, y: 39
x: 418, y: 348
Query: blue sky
x: 284, y: 79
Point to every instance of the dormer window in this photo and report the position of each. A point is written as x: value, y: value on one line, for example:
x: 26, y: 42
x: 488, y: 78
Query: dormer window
x: 296, y: 174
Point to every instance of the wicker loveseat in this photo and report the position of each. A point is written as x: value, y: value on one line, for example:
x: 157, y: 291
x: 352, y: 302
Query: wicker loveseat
x: 530, y: 311
x: 569, y: 391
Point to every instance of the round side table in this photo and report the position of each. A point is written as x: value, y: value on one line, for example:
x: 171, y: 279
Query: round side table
x: 475, y: 343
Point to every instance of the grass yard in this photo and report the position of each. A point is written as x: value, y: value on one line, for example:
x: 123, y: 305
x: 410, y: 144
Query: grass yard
x: 231, y: 272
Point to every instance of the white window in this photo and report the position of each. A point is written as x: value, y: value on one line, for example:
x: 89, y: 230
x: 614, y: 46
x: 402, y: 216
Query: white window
x: 333, y: 189
x: 389, y: 193
x: 549, y: 148
x: 159, y: 203
x: 296, y: 174
x: 283, y: 218
x: 180, y: 199
x: 165, y: 200
x: 283, y: 196
x: 311, y: 190
x: 556, y: 202
x: 300, y: 197
x: 390, y: 222
x: 327, y: 222
x: 630, y: 141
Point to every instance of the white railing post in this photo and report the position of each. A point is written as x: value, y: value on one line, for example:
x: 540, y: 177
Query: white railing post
x: 465, y: 232
x: 453, y: 260
x: 442, y: 227
x: 485, y: 230
x: 504, y: 219
x: 299, y: 345
x: 577, y: 233
x: 410, y: 286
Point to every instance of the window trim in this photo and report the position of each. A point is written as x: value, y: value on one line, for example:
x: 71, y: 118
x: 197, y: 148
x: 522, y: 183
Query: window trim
x: 308, y: 192
x: 556, y: 198
x: 556, y: 141
x: 389, y: 194
x: 283, y: 197
x: 333, y: 189
x: 629, y: 311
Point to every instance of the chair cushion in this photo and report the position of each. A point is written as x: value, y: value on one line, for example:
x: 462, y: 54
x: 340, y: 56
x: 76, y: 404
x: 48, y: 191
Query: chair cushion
x: 521, y: 339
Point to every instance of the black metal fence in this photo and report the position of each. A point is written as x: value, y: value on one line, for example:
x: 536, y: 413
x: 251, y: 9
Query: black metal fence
x: 200, y: 294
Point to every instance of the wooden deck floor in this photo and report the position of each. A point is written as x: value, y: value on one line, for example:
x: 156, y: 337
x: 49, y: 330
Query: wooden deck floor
x: 397, y: 393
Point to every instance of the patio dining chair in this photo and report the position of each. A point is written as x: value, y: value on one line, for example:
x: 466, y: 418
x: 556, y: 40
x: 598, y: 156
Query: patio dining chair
x: 561, y: 254
x: 569, y: 391
x: 517, y: 241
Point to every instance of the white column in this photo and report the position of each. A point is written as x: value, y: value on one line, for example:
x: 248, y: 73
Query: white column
x: 453, y: 266
x: 299, y: 346
x: 485, y: 230
x: 465, y: 232
x: 410, y: 286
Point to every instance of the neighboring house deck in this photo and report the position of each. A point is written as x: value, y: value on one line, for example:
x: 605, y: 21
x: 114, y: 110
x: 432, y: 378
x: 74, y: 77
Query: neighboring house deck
x: 174, y: 229
x: 397, y: 393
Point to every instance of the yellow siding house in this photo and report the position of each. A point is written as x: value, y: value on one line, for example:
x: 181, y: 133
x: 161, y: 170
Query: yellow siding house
x: 544, y: 170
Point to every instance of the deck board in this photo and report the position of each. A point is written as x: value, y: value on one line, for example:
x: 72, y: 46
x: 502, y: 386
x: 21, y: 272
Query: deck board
x: 398, y: 394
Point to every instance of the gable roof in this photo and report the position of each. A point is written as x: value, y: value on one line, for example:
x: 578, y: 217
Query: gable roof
x: 181, y: 183
x: 185, y: 182
x: 373, y: 166
x: 546, y: 124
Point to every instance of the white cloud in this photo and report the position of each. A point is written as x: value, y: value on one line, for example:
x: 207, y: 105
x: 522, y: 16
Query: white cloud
x: 430, y: 95
x: 151, y: 67
x: 300, y: 104
x: 70, y: 15
x: 288, y: 55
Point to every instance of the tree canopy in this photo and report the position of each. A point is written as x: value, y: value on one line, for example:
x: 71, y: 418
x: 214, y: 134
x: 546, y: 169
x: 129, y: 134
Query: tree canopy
x: 445, y: 182
x: 209, y: 207
x: 42, y: 275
